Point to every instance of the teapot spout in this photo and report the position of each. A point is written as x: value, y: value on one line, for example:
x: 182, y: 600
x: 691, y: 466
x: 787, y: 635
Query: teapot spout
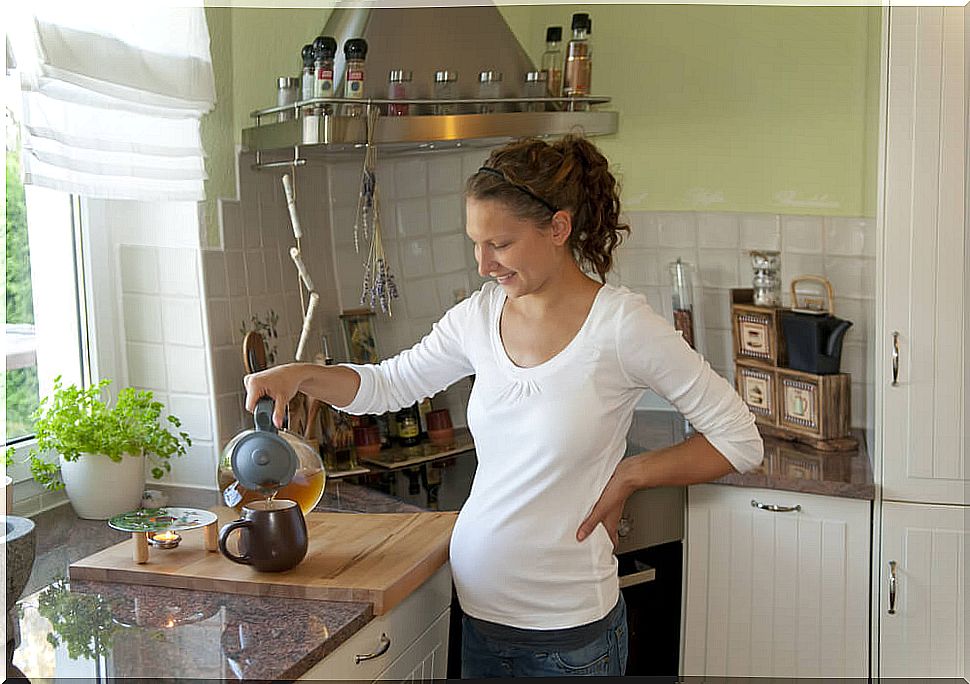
x: 833, y: 345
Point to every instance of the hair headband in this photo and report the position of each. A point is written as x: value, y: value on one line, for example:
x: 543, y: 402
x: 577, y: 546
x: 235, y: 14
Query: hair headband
x: 518, y: 186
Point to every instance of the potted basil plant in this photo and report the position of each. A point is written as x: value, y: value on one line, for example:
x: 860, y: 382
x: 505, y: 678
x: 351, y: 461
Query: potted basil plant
x: 102, y: 450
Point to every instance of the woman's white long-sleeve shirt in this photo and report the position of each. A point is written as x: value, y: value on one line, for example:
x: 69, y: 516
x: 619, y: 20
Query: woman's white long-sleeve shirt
x: 548, y: 438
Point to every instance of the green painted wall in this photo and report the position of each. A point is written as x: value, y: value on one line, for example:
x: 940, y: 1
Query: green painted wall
x: 722, y: 108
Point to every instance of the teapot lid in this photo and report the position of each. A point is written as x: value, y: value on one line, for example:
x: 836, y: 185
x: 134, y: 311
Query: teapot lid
x: 261, y: 459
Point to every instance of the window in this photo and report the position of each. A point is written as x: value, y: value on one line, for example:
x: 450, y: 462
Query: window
x: 43, y: 327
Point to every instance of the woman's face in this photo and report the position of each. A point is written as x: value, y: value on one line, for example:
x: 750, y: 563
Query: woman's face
x: 518, y: 254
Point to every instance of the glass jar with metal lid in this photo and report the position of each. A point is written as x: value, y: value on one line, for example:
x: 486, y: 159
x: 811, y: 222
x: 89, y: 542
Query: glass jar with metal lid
x: 536, y: 85
x: 489, y: 87
x: 445, y: 88
x: 399, y: 88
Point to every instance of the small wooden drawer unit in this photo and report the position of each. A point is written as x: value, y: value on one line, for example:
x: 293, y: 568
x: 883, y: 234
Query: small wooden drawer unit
x: 758, y: 387
x: 818, y: 406
x: 756, y: 330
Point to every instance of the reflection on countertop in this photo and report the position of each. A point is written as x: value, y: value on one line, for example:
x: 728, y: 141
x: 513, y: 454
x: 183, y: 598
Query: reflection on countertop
x: 95, y: 630
x: 787, y: 466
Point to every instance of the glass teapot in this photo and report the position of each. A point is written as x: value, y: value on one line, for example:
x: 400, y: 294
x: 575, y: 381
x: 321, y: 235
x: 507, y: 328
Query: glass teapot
x: 264, y: 462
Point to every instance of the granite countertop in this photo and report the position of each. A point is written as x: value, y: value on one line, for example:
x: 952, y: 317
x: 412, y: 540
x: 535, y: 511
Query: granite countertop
x: 787, y: 466
x: 120, y: 630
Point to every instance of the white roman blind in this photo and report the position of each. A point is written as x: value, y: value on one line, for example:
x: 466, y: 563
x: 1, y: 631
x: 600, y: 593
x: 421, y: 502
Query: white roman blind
x: 112, y: 98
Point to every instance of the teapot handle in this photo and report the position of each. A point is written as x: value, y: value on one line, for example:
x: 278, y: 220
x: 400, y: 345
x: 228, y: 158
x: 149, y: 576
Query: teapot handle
x: 818, y: 279
x: 263, y: 415
x: 224, y: 537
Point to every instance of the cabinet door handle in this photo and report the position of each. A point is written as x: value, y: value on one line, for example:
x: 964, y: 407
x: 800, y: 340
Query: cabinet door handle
x: 892, y: 587
x: 774, y: 508
x: 895, y: 358
x: 385, y: 643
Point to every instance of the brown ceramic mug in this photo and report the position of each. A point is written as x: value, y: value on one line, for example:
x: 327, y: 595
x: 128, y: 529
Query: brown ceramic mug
x: 272, y: 537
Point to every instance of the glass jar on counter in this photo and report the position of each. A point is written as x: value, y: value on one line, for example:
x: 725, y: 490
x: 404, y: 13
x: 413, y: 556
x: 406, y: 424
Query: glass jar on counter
x: 445, y: 88
x: 489, y: 88
x: 536, y: 85
x: 398, y: 88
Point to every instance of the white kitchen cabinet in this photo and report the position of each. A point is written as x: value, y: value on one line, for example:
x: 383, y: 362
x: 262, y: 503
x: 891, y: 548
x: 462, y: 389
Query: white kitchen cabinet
x: 775, y: 593
x: 410, y: 639
x: 923, y: 271
x: 925, y: 633
x: 921, y: 413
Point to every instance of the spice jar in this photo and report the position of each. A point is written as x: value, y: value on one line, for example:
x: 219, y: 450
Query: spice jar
x: 445, y: 88
x: 398, y: 88
x: 536, y: 85
x: 355, y: 52
x: 489, y: 88
x: 287, y: 92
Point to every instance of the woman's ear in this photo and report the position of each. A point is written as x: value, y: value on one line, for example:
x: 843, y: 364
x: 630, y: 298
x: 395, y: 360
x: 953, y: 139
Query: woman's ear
x: 562, y: 227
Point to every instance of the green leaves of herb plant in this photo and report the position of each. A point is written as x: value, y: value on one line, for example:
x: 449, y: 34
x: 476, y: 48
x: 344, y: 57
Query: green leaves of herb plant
x: 74, y: 421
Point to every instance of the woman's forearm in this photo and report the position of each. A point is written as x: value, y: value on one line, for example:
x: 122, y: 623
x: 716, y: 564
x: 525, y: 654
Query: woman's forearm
x: 693, y: 461
x: 334, y: 385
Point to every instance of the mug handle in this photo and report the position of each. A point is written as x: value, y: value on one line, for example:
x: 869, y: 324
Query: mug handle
x: 224, y: 537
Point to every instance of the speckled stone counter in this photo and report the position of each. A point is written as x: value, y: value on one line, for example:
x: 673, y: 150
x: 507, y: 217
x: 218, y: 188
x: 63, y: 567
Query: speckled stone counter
x: 95, y: 630
x: 787, y: 465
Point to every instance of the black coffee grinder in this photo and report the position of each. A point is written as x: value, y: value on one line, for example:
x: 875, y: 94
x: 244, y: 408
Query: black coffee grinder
x: 813, y: 334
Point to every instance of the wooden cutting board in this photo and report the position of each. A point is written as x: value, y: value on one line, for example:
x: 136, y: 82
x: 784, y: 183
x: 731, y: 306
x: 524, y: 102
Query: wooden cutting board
x: 377, y: 558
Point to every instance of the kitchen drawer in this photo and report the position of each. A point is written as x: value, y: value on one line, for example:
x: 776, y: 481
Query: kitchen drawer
x: 426, y: 659
x: 403, y: 626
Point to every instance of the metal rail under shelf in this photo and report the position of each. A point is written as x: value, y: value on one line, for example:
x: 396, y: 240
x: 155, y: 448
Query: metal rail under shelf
x: 294, y: 141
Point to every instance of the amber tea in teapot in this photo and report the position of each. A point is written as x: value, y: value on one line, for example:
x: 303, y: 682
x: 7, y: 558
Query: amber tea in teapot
x: 306, y: 488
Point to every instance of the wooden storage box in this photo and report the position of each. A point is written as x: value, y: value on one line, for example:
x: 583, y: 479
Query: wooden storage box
x: 758, y: 387
x: 818, y: 406
x: 756, y: 330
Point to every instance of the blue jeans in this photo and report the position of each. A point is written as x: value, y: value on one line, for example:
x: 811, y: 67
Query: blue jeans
x: 487, y: 656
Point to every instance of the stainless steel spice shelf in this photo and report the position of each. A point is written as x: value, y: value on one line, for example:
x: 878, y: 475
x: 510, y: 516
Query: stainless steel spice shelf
x: 289, y: 142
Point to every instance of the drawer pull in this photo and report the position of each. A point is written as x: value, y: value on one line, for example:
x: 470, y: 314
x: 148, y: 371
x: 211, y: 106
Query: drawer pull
x: 381, y: 650
x: 892, y: 587
x: 774, y: 508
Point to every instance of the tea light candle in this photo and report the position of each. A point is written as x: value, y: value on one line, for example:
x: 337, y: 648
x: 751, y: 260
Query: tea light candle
x: 164, y: 540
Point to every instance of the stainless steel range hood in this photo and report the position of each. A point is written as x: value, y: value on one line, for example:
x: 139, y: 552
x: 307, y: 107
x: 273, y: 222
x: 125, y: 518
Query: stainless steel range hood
x: 466, y: 40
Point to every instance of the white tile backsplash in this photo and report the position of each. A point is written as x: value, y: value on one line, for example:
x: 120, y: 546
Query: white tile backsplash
x: 718, y: 267
x: 677, y: 230
x: 194, y: 413
x: 801, y: 234
x: 236, y: 273
x: 444, y: 175
x: 448, y: 252
x: 412, y: 217
x: 255, y: 273
x: 182, y: 322
x: 214, y: 273
x: 422, y: 299
x: 139, y: 269
x: 760, y: 231
x: 220, y: 322
x: 416, y: 258
x: 851, y: 276
x: 445, y: 213
x: 143, y: 318
x: 718, y: 231
x: 637, y: 266
x: 178, y: 272
x: 850, y: 236
x: 146, y: 366
x: 186, y: 369
x: 410, y: 178
x: 644, y: 230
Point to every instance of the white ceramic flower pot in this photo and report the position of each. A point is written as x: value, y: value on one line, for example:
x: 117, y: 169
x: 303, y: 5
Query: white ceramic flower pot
x: 100, y: 488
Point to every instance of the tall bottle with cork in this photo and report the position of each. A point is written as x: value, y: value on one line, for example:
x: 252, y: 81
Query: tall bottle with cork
x: 552, y: 60
x: 578, y: 73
